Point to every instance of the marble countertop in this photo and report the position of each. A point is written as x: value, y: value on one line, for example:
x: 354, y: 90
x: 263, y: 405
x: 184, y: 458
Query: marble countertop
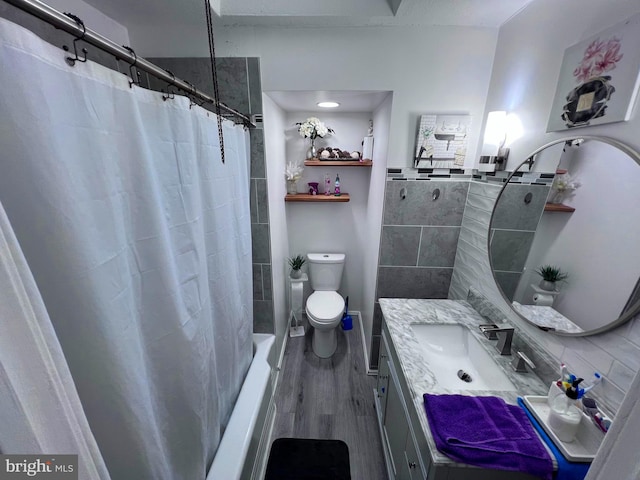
x: 547, y: 317
x: 400, y: 313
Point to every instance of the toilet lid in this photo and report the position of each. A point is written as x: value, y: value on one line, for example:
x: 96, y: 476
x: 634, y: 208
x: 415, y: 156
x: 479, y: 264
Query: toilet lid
x: 325, y: 305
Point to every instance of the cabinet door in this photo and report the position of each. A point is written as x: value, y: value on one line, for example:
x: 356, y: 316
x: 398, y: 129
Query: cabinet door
x: 396, y: 427
x: 383, y: 378
x: 412, y: 460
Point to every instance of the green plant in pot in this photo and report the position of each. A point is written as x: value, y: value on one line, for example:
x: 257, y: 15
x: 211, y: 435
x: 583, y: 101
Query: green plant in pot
x: 550, y: 276
x: 296, y: 264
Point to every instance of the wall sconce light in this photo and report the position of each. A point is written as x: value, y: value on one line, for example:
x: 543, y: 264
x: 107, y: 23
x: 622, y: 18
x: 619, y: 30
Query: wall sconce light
x: 493, y: 151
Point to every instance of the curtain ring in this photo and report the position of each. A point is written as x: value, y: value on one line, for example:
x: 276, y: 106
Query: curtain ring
x: 134, y: 74
x: 71, y: 61
x: 169, y: 94
x: 191, y: 95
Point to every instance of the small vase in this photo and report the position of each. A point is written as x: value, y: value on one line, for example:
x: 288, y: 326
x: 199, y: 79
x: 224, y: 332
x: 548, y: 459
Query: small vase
x: 312, y: 151
x: 557, y: 197
x: 295, y: 274
x: 547, y: 285
x: 292, y: 187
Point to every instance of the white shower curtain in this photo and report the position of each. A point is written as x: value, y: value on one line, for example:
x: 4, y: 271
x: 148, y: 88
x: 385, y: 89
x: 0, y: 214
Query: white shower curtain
x: 139, y: 240
x: 40, y: 411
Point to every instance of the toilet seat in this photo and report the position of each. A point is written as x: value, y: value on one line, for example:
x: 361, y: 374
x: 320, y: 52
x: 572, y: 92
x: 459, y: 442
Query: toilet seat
x: 325, y: 306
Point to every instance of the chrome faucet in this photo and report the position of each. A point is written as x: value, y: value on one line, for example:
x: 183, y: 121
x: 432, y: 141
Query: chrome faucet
x: 520, y: 362
x: 489, y: 330
x: 504, y: 336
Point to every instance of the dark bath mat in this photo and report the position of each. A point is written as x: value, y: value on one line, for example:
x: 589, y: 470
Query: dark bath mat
x: 308, y: 459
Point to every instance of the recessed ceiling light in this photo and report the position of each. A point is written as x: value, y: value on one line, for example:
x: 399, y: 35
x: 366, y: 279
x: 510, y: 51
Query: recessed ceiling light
x: 328, y: 104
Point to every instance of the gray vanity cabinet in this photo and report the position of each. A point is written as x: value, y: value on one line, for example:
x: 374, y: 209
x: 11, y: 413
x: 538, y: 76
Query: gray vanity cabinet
x: 412, y: 459
x: 407, y: 452
x: 403, y: 461
x: 383, y: 380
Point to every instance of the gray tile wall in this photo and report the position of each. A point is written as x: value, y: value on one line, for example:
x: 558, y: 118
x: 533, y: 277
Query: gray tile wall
x: 418, y: 242
x: 513, y: 228
x: 471, y: 262
x: 262, y: 304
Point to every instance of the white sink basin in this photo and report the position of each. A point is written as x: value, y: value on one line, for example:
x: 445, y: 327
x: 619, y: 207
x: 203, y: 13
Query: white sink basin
x: 451, y: 348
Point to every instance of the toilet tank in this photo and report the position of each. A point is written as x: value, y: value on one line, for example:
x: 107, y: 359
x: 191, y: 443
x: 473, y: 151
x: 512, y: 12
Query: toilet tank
x: 325, y: 270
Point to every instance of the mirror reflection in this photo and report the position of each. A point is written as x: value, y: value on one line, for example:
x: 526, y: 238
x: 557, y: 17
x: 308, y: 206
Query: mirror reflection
x: 570, y: 210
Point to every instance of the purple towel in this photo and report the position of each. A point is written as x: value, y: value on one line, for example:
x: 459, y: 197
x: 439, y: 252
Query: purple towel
x: 486, y: 432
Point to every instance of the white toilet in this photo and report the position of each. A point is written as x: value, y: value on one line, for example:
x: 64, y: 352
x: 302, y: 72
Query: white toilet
x: 325, y: 306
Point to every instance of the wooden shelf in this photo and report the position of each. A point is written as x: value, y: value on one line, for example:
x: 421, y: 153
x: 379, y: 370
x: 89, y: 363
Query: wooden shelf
x: 558, y: 207
x: 314, y: 162
x: 305, y: 197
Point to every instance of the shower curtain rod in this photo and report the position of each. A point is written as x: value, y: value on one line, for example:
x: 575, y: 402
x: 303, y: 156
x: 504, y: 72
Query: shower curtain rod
x: 69, y: 25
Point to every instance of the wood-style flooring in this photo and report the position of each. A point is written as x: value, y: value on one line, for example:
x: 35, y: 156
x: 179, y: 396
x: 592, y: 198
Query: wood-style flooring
x: 331, y: 399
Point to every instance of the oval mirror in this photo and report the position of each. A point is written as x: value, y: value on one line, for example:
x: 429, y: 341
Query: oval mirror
x: 571, y: 209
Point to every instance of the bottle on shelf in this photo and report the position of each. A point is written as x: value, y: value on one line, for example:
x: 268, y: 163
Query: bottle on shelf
x: 337, y: 186
x: 327, y: 184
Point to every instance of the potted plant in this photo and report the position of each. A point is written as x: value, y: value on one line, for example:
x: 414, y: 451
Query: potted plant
x: 550, y: 275
x: 296, y: 265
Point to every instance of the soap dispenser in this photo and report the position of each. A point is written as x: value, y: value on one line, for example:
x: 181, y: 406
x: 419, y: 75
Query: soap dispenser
x: 565, y: 416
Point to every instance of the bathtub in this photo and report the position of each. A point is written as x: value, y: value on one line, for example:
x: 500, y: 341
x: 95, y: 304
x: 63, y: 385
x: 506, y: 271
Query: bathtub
x: 244, y: 445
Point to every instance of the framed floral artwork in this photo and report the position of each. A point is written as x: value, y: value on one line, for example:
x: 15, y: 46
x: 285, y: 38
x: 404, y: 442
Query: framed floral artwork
x: 599, y: 79
x: 442, y: 141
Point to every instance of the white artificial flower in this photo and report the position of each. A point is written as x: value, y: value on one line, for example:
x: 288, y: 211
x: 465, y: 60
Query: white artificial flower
x: 313, y: 128
x: 321, y: 130
x: 305, y: 130
x: 293, y: 171
x: 564, y: 183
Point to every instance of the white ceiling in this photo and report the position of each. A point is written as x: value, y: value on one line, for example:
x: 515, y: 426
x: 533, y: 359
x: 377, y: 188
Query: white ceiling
x: 314, y: 13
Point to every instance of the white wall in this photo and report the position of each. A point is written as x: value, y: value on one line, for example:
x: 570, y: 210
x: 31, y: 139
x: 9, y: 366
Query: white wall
x: 375, y: 205
x: 429, y: 69
x: 94, y: 19
x: 331, y: 227
x: 527, y: 65
x: 526, y: 68
x: 274, y: 146
x: 352, y: 228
